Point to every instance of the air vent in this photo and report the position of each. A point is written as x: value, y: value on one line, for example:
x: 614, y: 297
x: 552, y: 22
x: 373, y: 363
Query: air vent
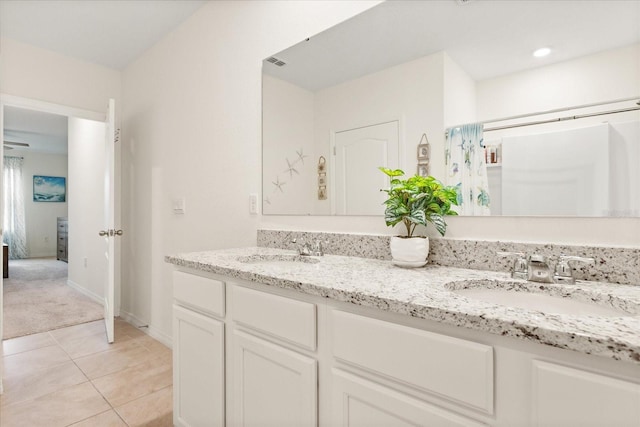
x: 276, y: 61
x: 11, y: 144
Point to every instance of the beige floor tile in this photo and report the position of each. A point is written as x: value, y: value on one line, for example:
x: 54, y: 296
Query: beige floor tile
x: 129, y: 384
x: 60, y: 408
x: 156, y: 347
x: 152, y: 410
x: 26, y: 343
x: 125, y: 356
x: 106, y: 419
x: 81, y: 330
x: 123, y: 328
x: 77, y: 347
x: 33, y: 360
x: 38, y: 383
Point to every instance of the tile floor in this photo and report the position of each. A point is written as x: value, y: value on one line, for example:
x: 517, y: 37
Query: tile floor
x: 72, y: 377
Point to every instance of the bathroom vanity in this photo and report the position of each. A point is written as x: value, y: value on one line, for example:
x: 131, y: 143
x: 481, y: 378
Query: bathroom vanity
x: 263, y: 337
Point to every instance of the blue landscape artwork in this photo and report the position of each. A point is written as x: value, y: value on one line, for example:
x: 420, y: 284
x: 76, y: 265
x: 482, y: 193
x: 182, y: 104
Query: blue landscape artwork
x: 49, y: 188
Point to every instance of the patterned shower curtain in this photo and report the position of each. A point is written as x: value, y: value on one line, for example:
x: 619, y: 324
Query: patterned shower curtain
x: 466, y: 169
x: 14, y: 233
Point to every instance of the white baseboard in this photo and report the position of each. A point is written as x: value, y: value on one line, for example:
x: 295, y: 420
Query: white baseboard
x: 42, y: 255
x: 149, y: 330
x: 97, y: 298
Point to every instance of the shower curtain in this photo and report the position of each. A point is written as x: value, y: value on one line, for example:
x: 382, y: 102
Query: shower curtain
x: 14, y: 233
x: 466, y: 169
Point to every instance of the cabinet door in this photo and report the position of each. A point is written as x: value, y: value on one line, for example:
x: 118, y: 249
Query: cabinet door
x: 567, y: 397
x: 358, y: 402
x: 273, y: 386
x: 198, y: 369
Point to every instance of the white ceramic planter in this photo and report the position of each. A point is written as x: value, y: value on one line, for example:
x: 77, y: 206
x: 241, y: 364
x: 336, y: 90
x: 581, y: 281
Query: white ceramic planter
x: 409, y: 252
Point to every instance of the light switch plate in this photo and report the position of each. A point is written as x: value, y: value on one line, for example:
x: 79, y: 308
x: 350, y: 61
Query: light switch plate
x: 179, y: 206
x: 253, y: 204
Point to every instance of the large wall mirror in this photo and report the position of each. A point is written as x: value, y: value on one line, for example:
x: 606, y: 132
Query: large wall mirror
x: 561, y: 132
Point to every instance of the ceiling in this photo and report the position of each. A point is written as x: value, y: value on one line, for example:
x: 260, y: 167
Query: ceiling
x: 44, y: 132
x: 487, y: 38
x: 109, y: 33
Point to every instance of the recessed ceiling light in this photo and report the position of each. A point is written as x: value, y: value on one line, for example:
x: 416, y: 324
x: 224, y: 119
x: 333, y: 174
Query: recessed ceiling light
x: 543, y: 51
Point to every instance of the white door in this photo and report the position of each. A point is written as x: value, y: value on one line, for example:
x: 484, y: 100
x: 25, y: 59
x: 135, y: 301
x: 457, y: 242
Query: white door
x: 358, y: 153
x: 273, y: 386
x: 109, y: 232
x: 198, y: 369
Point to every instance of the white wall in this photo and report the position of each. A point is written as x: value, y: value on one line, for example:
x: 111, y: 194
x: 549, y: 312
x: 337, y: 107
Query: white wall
x: 86, y: 207
x: 602, y: 77
x: 192, y: 129
x: 31, y: 72
x: 288, y: 119
x: 459, y: 94
x: 41, y: 218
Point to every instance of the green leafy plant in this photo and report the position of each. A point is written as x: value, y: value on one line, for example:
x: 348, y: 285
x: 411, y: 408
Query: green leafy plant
x: 417, y: 200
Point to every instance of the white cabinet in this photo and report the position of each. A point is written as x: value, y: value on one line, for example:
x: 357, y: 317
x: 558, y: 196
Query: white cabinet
x: 198, y: 351
x: 198, y: 357
x: 358, y: 402
x: 273, y: 386
x: 250, y: 355
x: 566, y: 397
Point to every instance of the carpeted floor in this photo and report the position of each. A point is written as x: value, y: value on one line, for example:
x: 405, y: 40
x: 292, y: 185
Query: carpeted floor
x: 37, y: 298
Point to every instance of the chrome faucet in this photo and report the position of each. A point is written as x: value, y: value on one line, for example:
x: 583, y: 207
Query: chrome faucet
x: 305, y: 249
x: 536, y: 268
x: 519, y: 266
x: 564, y: 273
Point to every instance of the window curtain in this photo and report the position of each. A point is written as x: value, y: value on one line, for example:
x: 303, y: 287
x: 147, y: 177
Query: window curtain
x: 466, y: 169
x: 14, y: 229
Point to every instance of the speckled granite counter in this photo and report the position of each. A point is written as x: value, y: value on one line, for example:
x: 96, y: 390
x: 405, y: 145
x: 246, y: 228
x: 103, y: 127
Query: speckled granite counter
x: 428, y: 293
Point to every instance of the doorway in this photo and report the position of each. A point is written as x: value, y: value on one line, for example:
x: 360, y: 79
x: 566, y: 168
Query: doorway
x: 35, y: 226
x: 87, y: 155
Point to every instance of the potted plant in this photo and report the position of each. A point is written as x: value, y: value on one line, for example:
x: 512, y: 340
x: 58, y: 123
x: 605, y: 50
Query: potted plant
x: 418, y: 200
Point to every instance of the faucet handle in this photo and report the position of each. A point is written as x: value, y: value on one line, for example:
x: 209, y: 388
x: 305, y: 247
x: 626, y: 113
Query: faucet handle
x: 317, y: 248
x: 563, y: 272
x: 519, y: 266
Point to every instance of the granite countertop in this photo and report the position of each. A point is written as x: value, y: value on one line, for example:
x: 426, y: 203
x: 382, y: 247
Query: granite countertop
x: 428, y: 293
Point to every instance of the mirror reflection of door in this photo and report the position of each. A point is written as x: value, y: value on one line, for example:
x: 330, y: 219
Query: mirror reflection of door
x: 358, y: 153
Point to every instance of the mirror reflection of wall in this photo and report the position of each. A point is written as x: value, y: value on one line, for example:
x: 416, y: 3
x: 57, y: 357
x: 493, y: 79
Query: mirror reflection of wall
x: 430, y: 90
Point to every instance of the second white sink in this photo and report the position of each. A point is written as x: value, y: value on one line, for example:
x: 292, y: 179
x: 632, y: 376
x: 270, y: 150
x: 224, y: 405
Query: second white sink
x: 521, y: 296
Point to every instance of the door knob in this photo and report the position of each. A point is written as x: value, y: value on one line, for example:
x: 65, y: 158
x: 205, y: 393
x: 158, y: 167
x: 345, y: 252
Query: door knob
x: 103, y: 233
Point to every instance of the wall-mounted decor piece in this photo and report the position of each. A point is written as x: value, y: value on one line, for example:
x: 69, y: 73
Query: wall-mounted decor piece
x: 322, y: 193
x: 423, y: 148
x: 322, y: 178
x: 49, y: 188
x: 423, y: 169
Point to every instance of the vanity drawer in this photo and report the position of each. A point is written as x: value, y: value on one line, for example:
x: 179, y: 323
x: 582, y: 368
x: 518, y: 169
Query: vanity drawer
x: 451, y: 367
x: 201, y: 293
x: 289, y: 319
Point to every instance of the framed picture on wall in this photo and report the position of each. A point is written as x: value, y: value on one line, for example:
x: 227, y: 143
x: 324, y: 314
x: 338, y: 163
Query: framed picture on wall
x: 423, y: 152
x: 49, y: 188
x: 423, y: 169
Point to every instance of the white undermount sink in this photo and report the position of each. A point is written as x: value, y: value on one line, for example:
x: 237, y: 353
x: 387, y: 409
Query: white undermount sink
x: 520, y: 297
x: 278, y: 260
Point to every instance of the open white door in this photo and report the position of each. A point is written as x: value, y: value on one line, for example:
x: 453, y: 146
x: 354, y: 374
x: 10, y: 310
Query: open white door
x: 109, y: 232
